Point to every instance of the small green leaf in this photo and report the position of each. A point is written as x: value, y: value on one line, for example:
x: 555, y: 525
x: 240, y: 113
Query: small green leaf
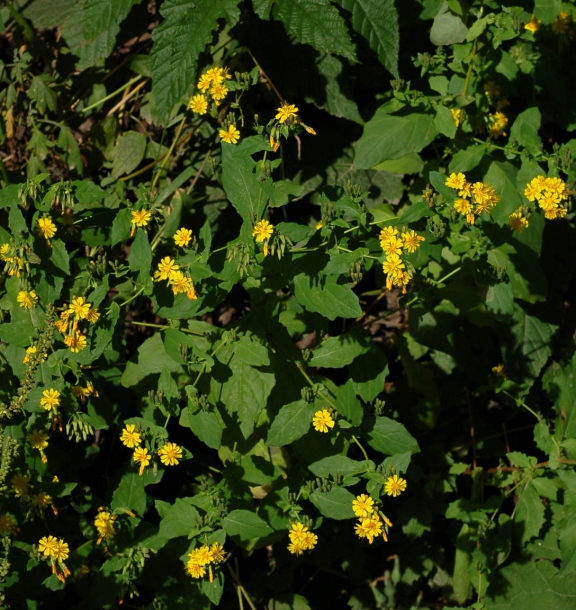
x: 336, y: 504
x: 206, y: 427
x: 447, y: 28
x: 130, y: 494
x: 246, y: 524
x: 339, y: 464
x: 251, y: 352
x: 389, y: 437
x: 291, y: 423
x: 60, y: 256
x: 328, y: 298
x: 336, y: 352
x: 348, y: 404
x: 128, y: 153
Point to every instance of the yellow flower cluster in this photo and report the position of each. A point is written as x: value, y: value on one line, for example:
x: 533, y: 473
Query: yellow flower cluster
x: 393, y: 245
x: 370, y: 523
x: 301, y: 539
x: 203, y: 556
x: 474, y: 199
x: 177, y: 280
x: 211, y: 83
x: 57, y: 551
x: 104, y: 523
x: 27, y: 299
x: 517, y: 220
x: 83, y: 393
x: 551, y: 195
x: 13, y: 263
x: 170, y: 453
x: 497, y: 124
x: 68, y: 324
x: 322, y: 420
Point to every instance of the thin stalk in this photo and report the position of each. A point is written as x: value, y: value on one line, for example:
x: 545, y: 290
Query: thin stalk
x: 111, y: 95
x: 165, y: 326
x: 169, y: 154
x: 361, y: 448
x: 132, y: 297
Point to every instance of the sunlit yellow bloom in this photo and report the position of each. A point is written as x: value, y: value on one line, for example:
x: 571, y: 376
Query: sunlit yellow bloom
x: 46, y: 228
x: 218, y: 91
x: 179, y: 282
x: 262, y: 231
x: 142, y: 457
x: 297, y: 531
x: 93, y: 315
x: 456, y: 181
x: 387, y: 234
x: 296, y: 548
x: 182, y: 237
x: 76, y: 342
x: 217, y: 553
x: 195, y: 570
x: 393, y: 245
x: 38, y: 439
x: 50, y: 399
x: 394, y: 485
x: 369, y: 528
x: 141, y: 218
x: 61, y: 551
x: 533, y: 25
x: 204, y: 82
x: 363, y: 505
x: 79, y: 307
x: 199, y: 104
x: 216, y: 74
x: 322, y: 420
x: 104, y: 523
x: 130, y: 436
x: 411, y: 240
x: 191, y: 294
x: 27, y: 299
x: 392, y: 265
x: 230, y: 135
x: 47, y: 546
x: 286, y: 111
x: 170, y: 453
x: 457, y: 115
x: 165, y: 267
x: 309, y: 541
x: 200, y: 556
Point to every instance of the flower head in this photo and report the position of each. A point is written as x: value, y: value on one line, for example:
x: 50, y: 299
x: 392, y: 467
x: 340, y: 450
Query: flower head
x: 533, y: 25
x: 230, y: 135
x: 166, y: 267
x: 47, y: 546
x: 179, y: 282
x: 262, y: 231
x: 76, y: 342
x: 61, y: 551
x: 322, y: 420
x: 38, y: 439
x: 7, y: 525
x: 130, y: 436
x: 363, y: 505
x: 182, y: 237
x: 369, y: 528
x: 140, y: 218
x: 79, y: 308
x: 392, y: 265
x: 456, y: 181
x: 46, y: 228
x: 411, y: 241
x: 204, y: 82
x: 50, y: 399
x: 27, y: 300
x: 142, y: 457
x: 104, y: 523
x: 517, y: 221
x: 170, y: 453
x: 286, y: 111
x: 195, y: 570
x: 394, y: 485
x: 218, y: 91
x: 198, y: 104
x: 217, y: 553
x: 20, y: 484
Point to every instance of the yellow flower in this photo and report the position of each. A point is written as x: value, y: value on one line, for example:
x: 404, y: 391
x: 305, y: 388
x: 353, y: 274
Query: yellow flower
x: 369, y: 528
x: 217, y: 553
x: 182, y: 237
x: 262, y: 231
x: 41, y: 499
x: 462, y: 206
x: 79, y: 307
x: 204, y: 82
x: 38, y: 439
x: 392, y: 245
x: 199, y: 104
x: 411, y: 241
x: 179, y: 282
x: 104, y: 523
x: 61, y: 551
x: 456, y: 181
x: 363, y: 505
x: 201, y: 556
x: 50, y: 399
x: 230, y: 135
x: 296, y: 548
x: 309, y: 541
x: 27, y: 299
x: 297, y: 532
x: 169, y: 454
x: 218, y: 91
x: 286, y: 111
x: 387, y: 234
x: 47, y: 546
x: 76, y: 342
x: 533, y: 25
x: 216, y: 74
x: 191, y: 294
x: 457, y: 115
x: 392, y: 265
x: 322, y: 420
x: 141, y: 456
x: 166, y: 267
x: 195, y: 570
x: 20, y: 484
x: 394, y: 485
x: 46, y: 228
x: 130, y: 436
x: 7, y: 525
x: 93, y: 315
x: 140, y: 218
x: 517, y: 221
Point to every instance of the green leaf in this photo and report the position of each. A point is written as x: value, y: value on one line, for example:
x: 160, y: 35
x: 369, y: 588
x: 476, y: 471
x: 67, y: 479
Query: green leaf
x: 368, y: 373
x: 444, y: 122
x: 547, y: 10
x: 167, y: 385
x: 181, y: 519
x: 246, y: 393
x: 140, y: 256
x: 291, y: 423
x: 251, y: 352
x: 447, y: 28
x: 562, y: 392
x: 409, y: 164
x: 336, y: 352
x: 213, y: 590
x: 467, y: 159
x: 331, y: 299
x: 567, y: 541
x: 500, y: 299
x: 178, y: 41
x: 339, y: 464
x: 389, y: 437
x: 392, y: 137
x: 206, y: 427
x: 502, y: 177
x: 19, y: 334
x: 130, y: 494
x: 525, y: 130
x: 316, y: 23
x: 121, y: 226
x: 336, y: 504
x: 60, y: 256
x: 128, y: 153
x: 529, y: 515
x: 348, y: 405
x: 246, y: 524
x: 151, y: 359
x: 377, y: 22
x: 67, y: 142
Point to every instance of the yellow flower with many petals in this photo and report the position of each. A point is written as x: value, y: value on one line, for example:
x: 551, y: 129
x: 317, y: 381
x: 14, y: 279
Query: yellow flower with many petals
x: 285, y: 112
x: 198, y: 104
x: 166, y: 267
x: 76, y: 342
x: 46, y: 228
x: 140, y: 218
x: 130, y: 436
x: 38, y: 439
x: 142, y: 457
x: 170, y: 453
x: 230, y: 135
x: 262, y: 231
x: 20, y: 484
x: 322, y: 420
x: 218, y: 91
x: 363, y: 505
x: 182, y: 237
x: 517, y: 221
x: 456, y: 181
x: 394, y: 485
x: 50, y: 399
x: 47, y: 546
x: 27, y: 300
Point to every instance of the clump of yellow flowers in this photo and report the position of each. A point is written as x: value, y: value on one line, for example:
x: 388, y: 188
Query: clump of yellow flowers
x: 68, y: 324
x: 301, y: 538
x: 177, y: 280
x: 473, y: 198
x: 56, y: 550
x: 104, y: 523
x: 394, y: 245
x: 170, y: 454
x: 551, y: 195
x: 202, y: 557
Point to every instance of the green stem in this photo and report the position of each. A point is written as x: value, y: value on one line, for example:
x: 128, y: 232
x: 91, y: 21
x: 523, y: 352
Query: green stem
x: 132, y: 297
x: 111, y: 95
x: 441, y: 281
x: 164, y: 326
x: 361, y: 448
x: 522, y: 404
x: 170, y: 151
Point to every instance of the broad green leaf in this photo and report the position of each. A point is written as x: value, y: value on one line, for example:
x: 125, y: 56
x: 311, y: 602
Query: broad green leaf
x: 246, y: 524
x: 291, y: 423
x: 409, y: 164
x: 393, y: 137
x: 468, y: 158
x: 167, y: 385
x: 529, y: 515
x: 501, y: 176
x: 251, y: 352
x: 567, y: 541
x: 140, y: 256
x: 327, y: 297
x: 17, y: 333
x: 130, y: 494
x: 121, y: 226
x: 339, y: 464
x: 377, y: 22
x: 547, y: 10
x: 368, y: 373
x: 213, y: 588
x: 151, y: 358
x: 46, y: 14
x: 178, y: 41
x: 500, y: 299
x: 562, y: 391
x: 447, y: 28
x: 60, y: 256
x: 128, y: 153
x: 389, y: 437
x: 246, y: 393
x: 348, y: 405
x: 181, y: 519
x: 336, y: 504
x: 206, y: 427
x: 88, y: 193
x: 316, y: 23
x: 336, y: 352
x: 444, y: 122
x: 525, y: 130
